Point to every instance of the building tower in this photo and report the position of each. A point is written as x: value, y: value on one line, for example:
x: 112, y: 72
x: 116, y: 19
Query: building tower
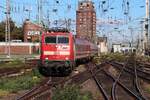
x: 86, y: 19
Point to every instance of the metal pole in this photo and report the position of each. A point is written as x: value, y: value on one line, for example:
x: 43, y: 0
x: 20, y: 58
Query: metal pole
x: 146, y: 26
x: 39, y: 19
x: 29, y: 14
x: 131, y: 42
x: 6, y: 33
x: 39, y: 11
x: 8, y: 24
x: 141, y: 48
x: 148, y: 41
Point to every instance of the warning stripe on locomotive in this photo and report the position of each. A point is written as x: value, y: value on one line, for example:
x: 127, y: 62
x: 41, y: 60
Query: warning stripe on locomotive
x: 56, y: 53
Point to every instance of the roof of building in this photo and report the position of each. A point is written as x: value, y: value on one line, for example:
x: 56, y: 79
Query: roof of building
x: 102, y: 39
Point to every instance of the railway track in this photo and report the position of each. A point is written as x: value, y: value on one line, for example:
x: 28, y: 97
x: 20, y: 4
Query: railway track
x: 48, y: 84
x: 124, y: 87
x: 143, y: 66
x: 53, y: 82
x: 93, y: 72
x: 136, y: 73
x: 115, y: 81
x: 136, y: 81
x: 38, y: 91
x: 140, y: 73
x: 14, y: 71
x: 113, y: 90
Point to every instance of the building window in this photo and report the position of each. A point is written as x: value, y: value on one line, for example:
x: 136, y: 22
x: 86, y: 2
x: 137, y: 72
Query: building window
x: 84, y: 4
x: 85, y: 22
x: 88, y: 5
x: 89, y: 14
x: 79, y: 14
x: 84, y: 14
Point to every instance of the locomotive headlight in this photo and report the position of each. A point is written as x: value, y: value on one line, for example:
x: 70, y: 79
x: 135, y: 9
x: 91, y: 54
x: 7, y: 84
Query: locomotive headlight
x: 46, y: 58
x: 66, y: 58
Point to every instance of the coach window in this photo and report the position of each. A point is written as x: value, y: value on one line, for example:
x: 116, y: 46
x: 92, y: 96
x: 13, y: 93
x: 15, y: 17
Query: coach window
x: 50, y: 39
x: 63, y: 40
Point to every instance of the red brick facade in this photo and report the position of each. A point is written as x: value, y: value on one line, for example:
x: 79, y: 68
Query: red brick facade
x: 20, y: 48
x: 86, y: 19
x: 31, y: 32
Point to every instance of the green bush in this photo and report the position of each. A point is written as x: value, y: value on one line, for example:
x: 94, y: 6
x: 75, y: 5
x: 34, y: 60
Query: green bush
x: 71, y: 93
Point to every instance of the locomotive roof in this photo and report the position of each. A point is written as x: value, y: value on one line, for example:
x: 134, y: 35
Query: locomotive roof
x: 58, y: 29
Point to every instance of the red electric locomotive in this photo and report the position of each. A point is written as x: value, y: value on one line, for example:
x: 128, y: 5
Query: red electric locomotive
x: 60, y: 51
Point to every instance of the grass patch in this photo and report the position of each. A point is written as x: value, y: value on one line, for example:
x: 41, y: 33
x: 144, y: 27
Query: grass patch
x: 147, y: 89
x: 111, y: 56
x: 15, y: 63
x: 3, y: 93
x: 15, y: 84
x: 71, y: 93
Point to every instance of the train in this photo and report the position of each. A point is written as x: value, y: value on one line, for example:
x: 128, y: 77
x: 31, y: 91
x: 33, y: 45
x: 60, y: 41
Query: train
x: 61, y: 51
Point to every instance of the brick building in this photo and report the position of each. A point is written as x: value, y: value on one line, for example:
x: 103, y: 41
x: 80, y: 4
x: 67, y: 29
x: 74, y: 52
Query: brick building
x: 19, y: 48
x: 31, y: 31
x: 86, y: 19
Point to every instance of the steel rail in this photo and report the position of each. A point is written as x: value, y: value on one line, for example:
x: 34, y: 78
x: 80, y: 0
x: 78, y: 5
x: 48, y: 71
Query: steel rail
x: 105, y: 95
x: 133, y: 72
x: 4, y: 72
x: 36, y: 90
x: 46, y: 85
x: 140, y: 74
x: 136, y: 84
x: 123, y: 86
x: 117, y: 82
x: 113, y: 92
x: 40, y: 88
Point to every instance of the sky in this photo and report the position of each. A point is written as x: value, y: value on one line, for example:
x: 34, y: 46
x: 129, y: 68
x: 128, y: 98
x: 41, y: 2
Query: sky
x: 106, y: 11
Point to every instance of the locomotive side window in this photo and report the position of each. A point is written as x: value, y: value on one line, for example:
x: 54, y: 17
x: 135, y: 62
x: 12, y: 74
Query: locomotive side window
x: 50, y: 39
x: 63, y: 40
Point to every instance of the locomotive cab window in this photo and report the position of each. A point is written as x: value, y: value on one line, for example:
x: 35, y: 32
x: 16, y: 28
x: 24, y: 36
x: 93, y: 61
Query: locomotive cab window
x: 64, y: 40
x: 50, y: 39
x: 57, y: 39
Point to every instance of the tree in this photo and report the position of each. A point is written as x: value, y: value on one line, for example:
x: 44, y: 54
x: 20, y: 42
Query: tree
x: 2, y: 31
x: 15, y: 32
